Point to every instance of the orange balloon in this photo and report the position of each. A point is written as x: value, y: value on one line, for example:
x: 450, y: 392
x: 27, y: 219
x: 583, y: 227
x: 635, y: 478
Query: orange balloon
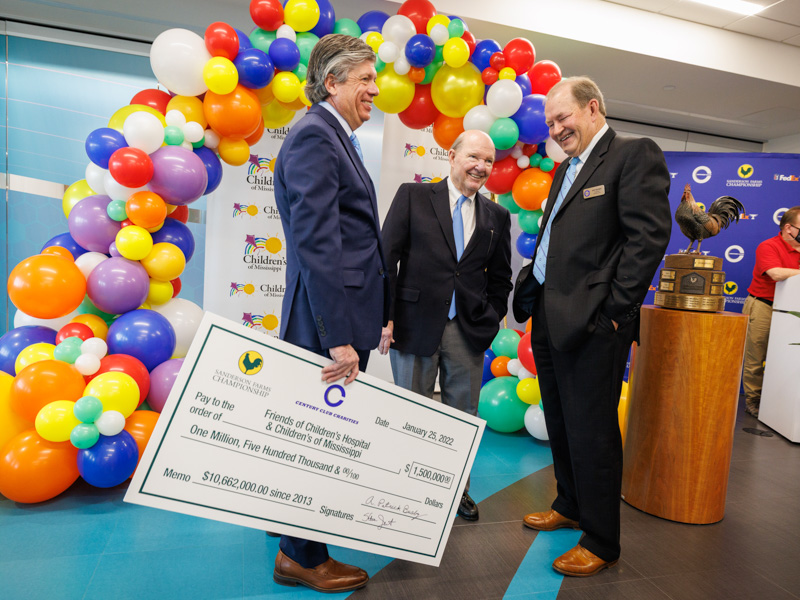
x: 447, y: 129
x: 528, y: 324
x: 235, y: 115
x: 43, y: 382
x: 190, y: 106
x: 265, y: 95
x: 140, y: 425
x: 253, y: 138
x: 499, y: 366
x: 34, y: 470
x: 59, y: 251
x: 93, y: 322
x: 416, y: 74
x: 530, y: 188
x: 146, y: 209
x: 46, y: 286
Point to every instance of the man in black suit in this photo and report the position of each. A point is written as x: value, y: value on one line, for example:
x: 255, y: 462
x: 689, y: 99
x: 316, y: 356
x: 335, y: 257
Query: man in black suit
x: 604, y: 232
x: 453, y: 246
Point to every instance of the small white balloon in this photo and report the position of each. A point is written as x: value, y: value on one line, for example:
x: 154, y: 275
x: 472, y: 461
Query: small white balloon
x: 95, y: 177
x: 479, y: 117
x: 543, y: 207
x: 211, y: 139
x: 117, y: 191
x: 554, y: 151
x: 516, y: 150
x: 539, y: 221
x: 87, y: 364
x: 96, y: 346
x: 514, y: 366
x: 388, y: 52
x: 111, y: 422
x: 523, y: 162
x: 285, y: 31
x: 504, y: 98
x: 21, y: 319
x: 88, y: 261
x: 523, y: 373
x: 535, y: 423
x: 401, y: 66
x: 187, y: 145
x: 144, y: 131
x: 439, y: 34
x: 193, y: 131
x: 175, y: 118
x: 398, y: 29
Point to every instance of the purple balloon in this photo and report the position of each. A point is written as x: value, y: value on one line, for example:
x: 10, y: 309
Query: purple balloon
x: 179, y: 175
x: 112, y: 250
x: 16, y: 340
x: 162, y: 378
x: 90, y: 226
x: 118, y: 285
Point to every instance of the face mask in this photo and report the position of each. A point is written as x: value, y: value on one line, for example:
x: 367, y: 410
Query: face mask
x: 797, y: 237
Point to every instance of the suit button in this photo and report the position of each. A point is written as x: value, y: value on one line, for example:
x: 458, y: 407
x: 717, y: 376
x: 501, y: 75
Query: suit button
x: 458, y: 273
x: 380, y: 271
x: 447, y: 302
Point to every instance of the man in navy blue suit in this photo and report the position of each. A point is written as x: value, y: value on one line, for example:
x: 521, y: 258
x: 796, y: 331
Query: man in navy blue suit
x: 336, y: 299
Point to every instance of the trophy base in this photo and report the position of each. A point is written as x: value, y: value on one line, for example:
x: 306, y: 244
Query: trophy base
x: 691, y: 282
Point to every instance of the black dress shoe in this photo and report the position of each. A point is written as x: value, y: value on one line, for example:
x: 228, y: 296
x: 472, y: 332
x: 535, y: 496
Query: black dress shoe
x: 467, y: 509
x: 272, y: 534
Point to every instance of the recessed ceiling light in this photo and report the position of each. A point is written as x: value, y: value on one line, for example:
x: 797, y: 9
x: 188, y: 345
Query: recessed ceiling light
x: 669, y: 88
x: 738, y: 6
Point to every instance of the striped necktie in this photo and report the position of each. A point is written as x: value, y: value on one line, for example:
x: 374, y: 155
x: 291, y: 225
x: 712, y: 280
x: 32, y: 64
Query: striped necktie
x: 357, y: 146
x: 458, y: 233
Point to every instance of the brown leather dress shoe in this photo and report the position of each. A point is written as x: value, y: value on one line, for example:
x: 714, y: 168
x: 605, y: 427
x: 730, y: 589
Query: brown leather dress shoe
x: 579, y: 562
x: 548, y: 521
x: 330, y: 576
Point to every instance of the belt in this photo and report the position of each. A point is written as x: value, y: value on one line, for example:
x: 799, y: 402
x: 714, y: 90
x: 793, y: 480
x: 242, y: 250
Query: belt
x: 764, y: 300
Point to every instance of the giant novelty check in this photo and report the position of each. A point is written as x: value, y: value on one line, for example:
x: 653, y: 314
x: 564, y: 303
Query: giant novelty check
x: 251, y: 435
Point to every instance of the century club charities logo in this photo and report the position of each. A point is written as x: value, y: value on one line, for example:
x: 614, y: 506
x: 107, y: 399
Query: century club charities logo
x: 780, y: 177
x: 420, y: 178
x: 266, y: 323
x: 259, y: 173
x: 251, y: 362
x: 242, y: 288
x: 240, y: 209
x: 745, y: 173
x: 701, y: 174
x: 734, y: 254
x: 264, y: 253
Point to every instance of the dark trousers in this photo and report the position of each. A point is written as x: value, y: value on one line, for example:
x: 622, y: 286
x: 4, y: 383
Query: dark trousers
x: 580, y: 395
x: 305, y: 552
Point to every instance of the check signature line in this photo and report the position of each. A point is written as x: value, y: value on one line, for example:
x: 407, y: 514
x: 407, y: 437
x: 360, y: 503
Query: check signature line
x: 283, y: 439
x: 390, y: 529
x: 214, y: 487
x: 366, y: 487
x: 416, y: 437
x: 412, y: 517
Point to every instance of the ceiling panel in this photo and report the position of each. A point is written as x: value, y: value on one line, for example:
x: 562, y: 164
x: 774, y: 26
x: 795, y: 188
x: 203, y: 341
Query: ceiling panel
x: 765, y: 28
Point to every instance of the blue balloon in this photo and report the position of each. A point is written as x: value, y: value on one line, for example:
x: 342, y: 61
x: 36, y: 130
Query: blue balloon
x: 488, y: 357
x: 524, y: 83
x: 102, y: 143
x: 526, y: 244
x: 16, y: 340
x: 530, y: 120
x: 244, y: 41
x: 327, y: 19
x: 213, y: 167
x: 143, y: 334
x: 254, y: 67
x: 372, y: 21
x: 285, y: 54
x: 110, y: 461
x: 175, y: 232
x: 420, y: 50
x: 483, y: 52
x: 65, y: 240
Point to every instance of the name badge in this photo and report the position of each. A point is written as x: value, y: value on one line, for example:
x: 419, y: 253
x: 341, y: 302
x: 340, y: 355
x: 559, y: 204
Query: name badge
x: 595, y: 191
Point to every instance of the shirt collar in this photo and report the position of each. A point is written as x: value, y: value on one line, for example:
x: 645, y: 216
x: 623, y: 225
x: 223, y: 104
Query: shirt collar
x: 455, y: 194
x: 583, y: 156
x: 331, y: 109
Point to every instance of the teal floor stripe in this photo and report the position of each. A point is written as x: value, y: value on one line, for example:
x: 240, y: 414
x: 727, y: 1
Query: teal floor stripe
x: 535, y: 577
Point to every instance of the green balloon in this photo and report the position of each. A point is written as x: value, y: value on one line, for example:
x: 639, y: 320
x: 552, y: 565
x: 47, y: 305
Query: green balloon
x: 439, y: 55
x: 305, y: 43
x: 456, y: 28
x: 173, y: 135
x: 507, y: 202
x: 84, y: 435
x: 88, y: 307
x: 116, y: 210
x: 379, y: 64
x: 529, y: 220
x: 536, y: 159
x: 262, y: 39
x: 87, y: 409
x: 500, y: 406
x: 67, y: 351
x: 505, y: 343
x: 301, y: 71
x: 504, y: 133
x: 347, y: 27
x: 431, y: 70
x: 547, y: 164
x: 144, y: 406
x: 200, y: 143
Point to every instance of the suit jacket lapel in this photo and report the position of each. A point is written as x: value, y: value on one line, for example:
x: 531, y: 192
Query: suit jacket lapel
x: 592, y: 163
x: 440, y: 200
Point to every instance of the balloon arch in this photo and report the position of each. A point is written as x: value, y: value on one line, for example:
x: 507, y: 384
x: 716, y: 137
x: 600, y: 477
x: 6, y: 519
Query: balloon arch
x: 100, y: 331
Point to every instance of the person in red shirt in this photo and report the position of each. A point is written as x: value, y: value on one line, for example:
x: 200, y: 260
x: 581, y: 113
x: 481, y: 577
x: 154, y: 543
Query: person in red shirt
x: 777, y: 258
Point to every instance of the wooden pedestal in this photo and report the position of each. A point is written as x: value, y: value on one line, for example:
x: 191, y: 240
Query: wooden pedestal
x: 683, y: 394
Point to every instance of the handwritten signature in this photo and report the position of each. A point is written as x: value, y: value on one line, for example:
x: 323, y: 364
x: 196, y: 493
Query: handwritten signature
x: 386, y: 505
x: 370, y: 518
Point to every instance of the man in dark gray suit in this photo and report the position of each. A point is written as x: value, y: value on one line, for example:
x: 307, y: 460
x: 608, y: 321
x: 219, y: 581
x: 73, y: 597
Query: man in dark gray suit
x: 604, y: 232
x: 451, y: 289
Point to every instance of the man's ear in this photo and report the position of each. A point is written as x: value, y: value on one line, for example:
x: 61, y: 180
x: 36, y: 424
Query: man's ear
x: 330, y: 84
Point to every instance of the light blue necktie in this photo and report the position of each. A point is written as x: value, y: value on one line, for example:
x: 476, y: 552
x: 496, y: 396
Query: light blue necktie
x: 458, y: 233
x: 540, y: 261
x: 354, y: 139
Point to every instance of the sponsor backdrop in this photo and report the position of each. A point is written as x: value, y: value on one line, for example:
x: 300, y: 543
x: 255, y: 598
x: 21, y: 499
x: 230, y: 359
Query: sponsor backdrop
x: 766, y: 184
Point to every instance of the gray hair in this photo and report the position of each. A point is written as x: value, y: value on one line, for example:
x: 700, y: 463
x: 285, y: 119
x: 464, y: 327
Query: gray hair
x: 583, y: 91
x: 337, y: 55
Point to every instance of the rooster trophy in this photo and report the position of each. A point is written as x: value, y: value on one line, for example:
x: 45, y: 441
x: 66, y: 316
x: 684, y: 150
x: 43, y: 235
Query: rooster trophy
x: 698, y: 225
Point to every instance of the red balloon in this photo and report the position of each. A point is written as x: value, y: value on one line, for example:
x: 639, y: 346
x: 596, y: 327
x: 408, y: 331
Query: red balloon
x: 131, y: 167
x: 222, y: 40
x: 529, y: 149
x: 497, y: 61
x: 525, y: 353
x: 156, y: 99
x: 78, y: 330
x: 181, y: 214
x: 519, y: 54
x: 419, y: 11
x: 421, y: 112
x: 267, y: 14
x: 123, y: 363
x: 489, y: 75
x: 544, y: 75
x: 176, y: 287
x: 503, y: 175
x: 471, y: 41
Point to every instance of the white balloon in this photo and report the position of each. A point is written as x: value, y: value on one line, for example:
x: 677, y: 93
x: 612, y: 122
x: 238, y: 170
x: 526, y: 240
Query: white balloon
x: 514, y: 366
x: 554, y: 151
x: 523, y: 373
x: 401, y: 66
x: 516, y: 150
x: 439, y: 34
x: 534, y: 422
x: 285, y: 31
x: 87, y: 364
x: 94, y: 177
x: 211, y: 139
x: 193, y: 131
x: 111, y: 422
x: 175, y: 118
x: 184, y: 316
x: 21, y: 319
x: 388, y: 52
x: 177, y: 58
x: 144, y: 131
x: 539, y: 221
x: 504, y: 98
x: 117, y: 191
x: 479, y: 117
x: 95, y: 346
x: 88, y: 261
x: 398, y: 29
x: 544, y: 205
x: 523, y: 162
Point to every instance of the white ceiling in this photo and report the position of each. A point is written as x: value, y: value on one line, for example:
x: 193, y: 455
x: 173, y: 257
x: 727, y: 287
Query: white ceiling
x: 672, y: 63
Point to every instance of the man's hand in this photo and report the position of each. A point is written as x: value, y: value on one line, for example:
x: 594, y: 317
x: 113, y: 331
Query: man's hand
x: 387, y: 338
x: 616, y: 325
x: 345, y: 364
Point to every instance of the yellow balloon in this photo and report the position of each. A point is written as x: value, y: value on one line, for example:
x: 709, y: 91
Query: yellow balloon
x: 156, y: 228
x: 134, y: 242
x: 507, y: 73
x: 303, y: 96
x: 396, y: 91
x: 293, y: 106
x: 160, y: 292
x: 286, y: 86
x: 436, y: 20
x: 528, y: 390
x: 117, y: 391
x: 455, y: 90
x: 301, y: 15
x: 165, y: 262
x: 455, y: 52
x: 233, y: 152
x: 56, y: 420
x: 117, y: 120
x: 622, y: 411
x: 275, y: 115
x: 374, y: 40
x: 74, y: 194
x: 32, y: 354
x: 93, y: 322
x: 220, y: 75
x: 191, y: 107
x: 10, y: 422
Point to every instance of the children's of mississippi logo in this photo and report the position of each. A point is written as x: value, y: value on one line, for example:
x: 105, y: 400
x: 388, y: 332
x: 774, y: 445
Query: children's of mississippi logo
x: 255, y: 245
x: 418, y: 178
x: 244, y: 209
x: 267, y: 322
x: 251, y: 362
x: 260, y: 166
x: 264, y: 253
x: 242, y: 288
x: 413, y: 150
